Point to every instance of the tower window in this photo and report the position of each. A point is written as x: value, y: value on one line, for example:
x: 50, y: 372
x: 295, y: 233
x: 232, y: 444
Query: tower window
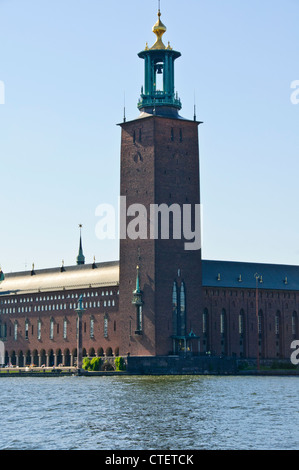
x: 140, y: 135
x: 172, y: 134
x: 134, y: 137
x: 181, y: 135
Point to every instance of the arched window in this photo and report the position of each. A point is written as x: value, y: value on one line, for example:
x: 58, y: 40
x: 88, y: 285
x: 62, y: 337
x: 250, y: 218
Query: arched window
x: 242, y: 332
x: 277, y: 323
x: 52, y: 328
x: 205, y: 330
x: 294, y: 324
x: 139, y: 319
x: 175, y: 308
x: 241, y: 322
x: 182, y: 310
x: 15, y: 330
x: 91, y: 327
x: 26, y: 328
x: 39, y: 329
x: 278, y: 333
x: 260, y: 322
x: 223, y: 331
x: 105, y: 326
x: 223, y: 322
x: 205, y: 319
x: 64, y: 328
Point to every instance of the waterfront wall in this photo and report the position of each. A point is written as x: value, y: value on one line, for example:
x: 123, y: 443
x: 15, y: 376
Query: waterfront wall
x: 177, y: 365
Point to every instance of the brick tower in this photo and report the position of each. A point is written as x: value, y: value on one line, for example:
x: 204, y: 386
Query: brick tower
x: 160, y: 275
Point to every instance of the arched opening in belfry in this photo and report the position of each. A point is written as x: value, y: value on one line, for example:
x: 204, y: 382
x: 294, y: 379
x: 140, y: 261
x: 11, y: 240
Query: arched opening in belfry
x: 159, y: 76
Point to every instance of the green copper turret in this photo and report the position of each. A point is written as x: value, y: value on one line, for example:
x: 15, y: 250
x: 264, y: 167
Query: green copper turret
x: 137, y: 294
x: 159, y: 60
x: 80, y: 257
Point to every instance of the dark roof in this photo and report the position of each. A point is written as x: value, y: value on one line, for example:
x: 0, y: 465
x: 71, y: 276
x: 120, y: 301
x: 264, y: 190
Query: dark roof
x: 227, y: 274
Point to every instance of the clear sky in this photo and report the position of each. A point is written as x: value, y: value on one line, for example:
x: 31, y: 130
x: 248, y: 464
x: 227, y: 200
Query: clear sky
x: 66, y: 65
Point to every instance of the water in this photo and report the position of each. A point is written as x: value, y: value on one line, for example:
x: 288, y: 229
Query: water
x: 149, y: 413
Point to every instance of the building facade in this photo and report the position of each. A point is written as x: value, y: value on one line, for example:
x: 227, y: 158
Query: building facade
x: 160, y: 298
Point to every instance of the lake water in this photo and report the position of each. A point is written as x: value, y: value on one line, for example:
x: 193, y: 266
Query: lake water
x: 149, y: 413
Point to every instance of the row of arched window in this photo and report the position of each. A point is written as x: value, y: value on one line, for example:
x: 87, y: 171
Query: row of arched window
x: 223, y: 322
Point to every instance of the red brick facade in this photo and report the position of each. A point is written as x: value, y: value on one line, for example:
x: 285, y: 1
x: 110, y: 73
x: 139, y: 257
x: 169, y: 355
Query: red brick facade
x: 227, y: 322
x: 159, y: 165
x: 243, y: 333
x: 42, y: 327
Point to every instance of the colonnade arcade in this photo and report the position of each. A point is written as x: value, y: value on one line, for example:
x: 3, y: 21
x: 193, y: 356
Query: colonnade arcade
x: 51, y: 358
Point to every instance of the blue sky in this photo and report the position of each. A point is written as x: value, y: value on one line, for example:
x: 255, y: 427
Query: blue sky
x: 66, y: 65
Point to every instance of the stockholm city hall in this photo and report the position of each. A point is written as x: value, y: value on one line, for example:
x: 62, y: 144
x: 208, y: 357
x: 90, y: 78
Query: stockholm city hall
x: 159, y: 299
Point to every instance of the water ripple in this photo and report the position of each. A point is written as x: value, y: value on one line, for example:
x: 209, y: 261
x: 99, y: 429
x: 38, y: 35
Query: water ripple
x: 147, y: 413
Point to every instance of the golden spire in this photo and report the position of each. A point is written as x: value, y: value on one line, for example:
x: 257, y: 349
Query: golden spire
x: 159, y: 29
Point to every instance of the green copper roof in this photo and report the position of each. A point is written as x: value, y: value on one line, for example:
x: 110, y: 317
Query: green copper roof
x: 80, y: 257
x: 158, y: 93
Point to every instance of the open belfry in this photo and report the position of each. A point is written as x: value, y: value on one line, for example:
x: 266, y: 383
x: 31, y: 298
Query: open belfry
x: 161, y: 299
